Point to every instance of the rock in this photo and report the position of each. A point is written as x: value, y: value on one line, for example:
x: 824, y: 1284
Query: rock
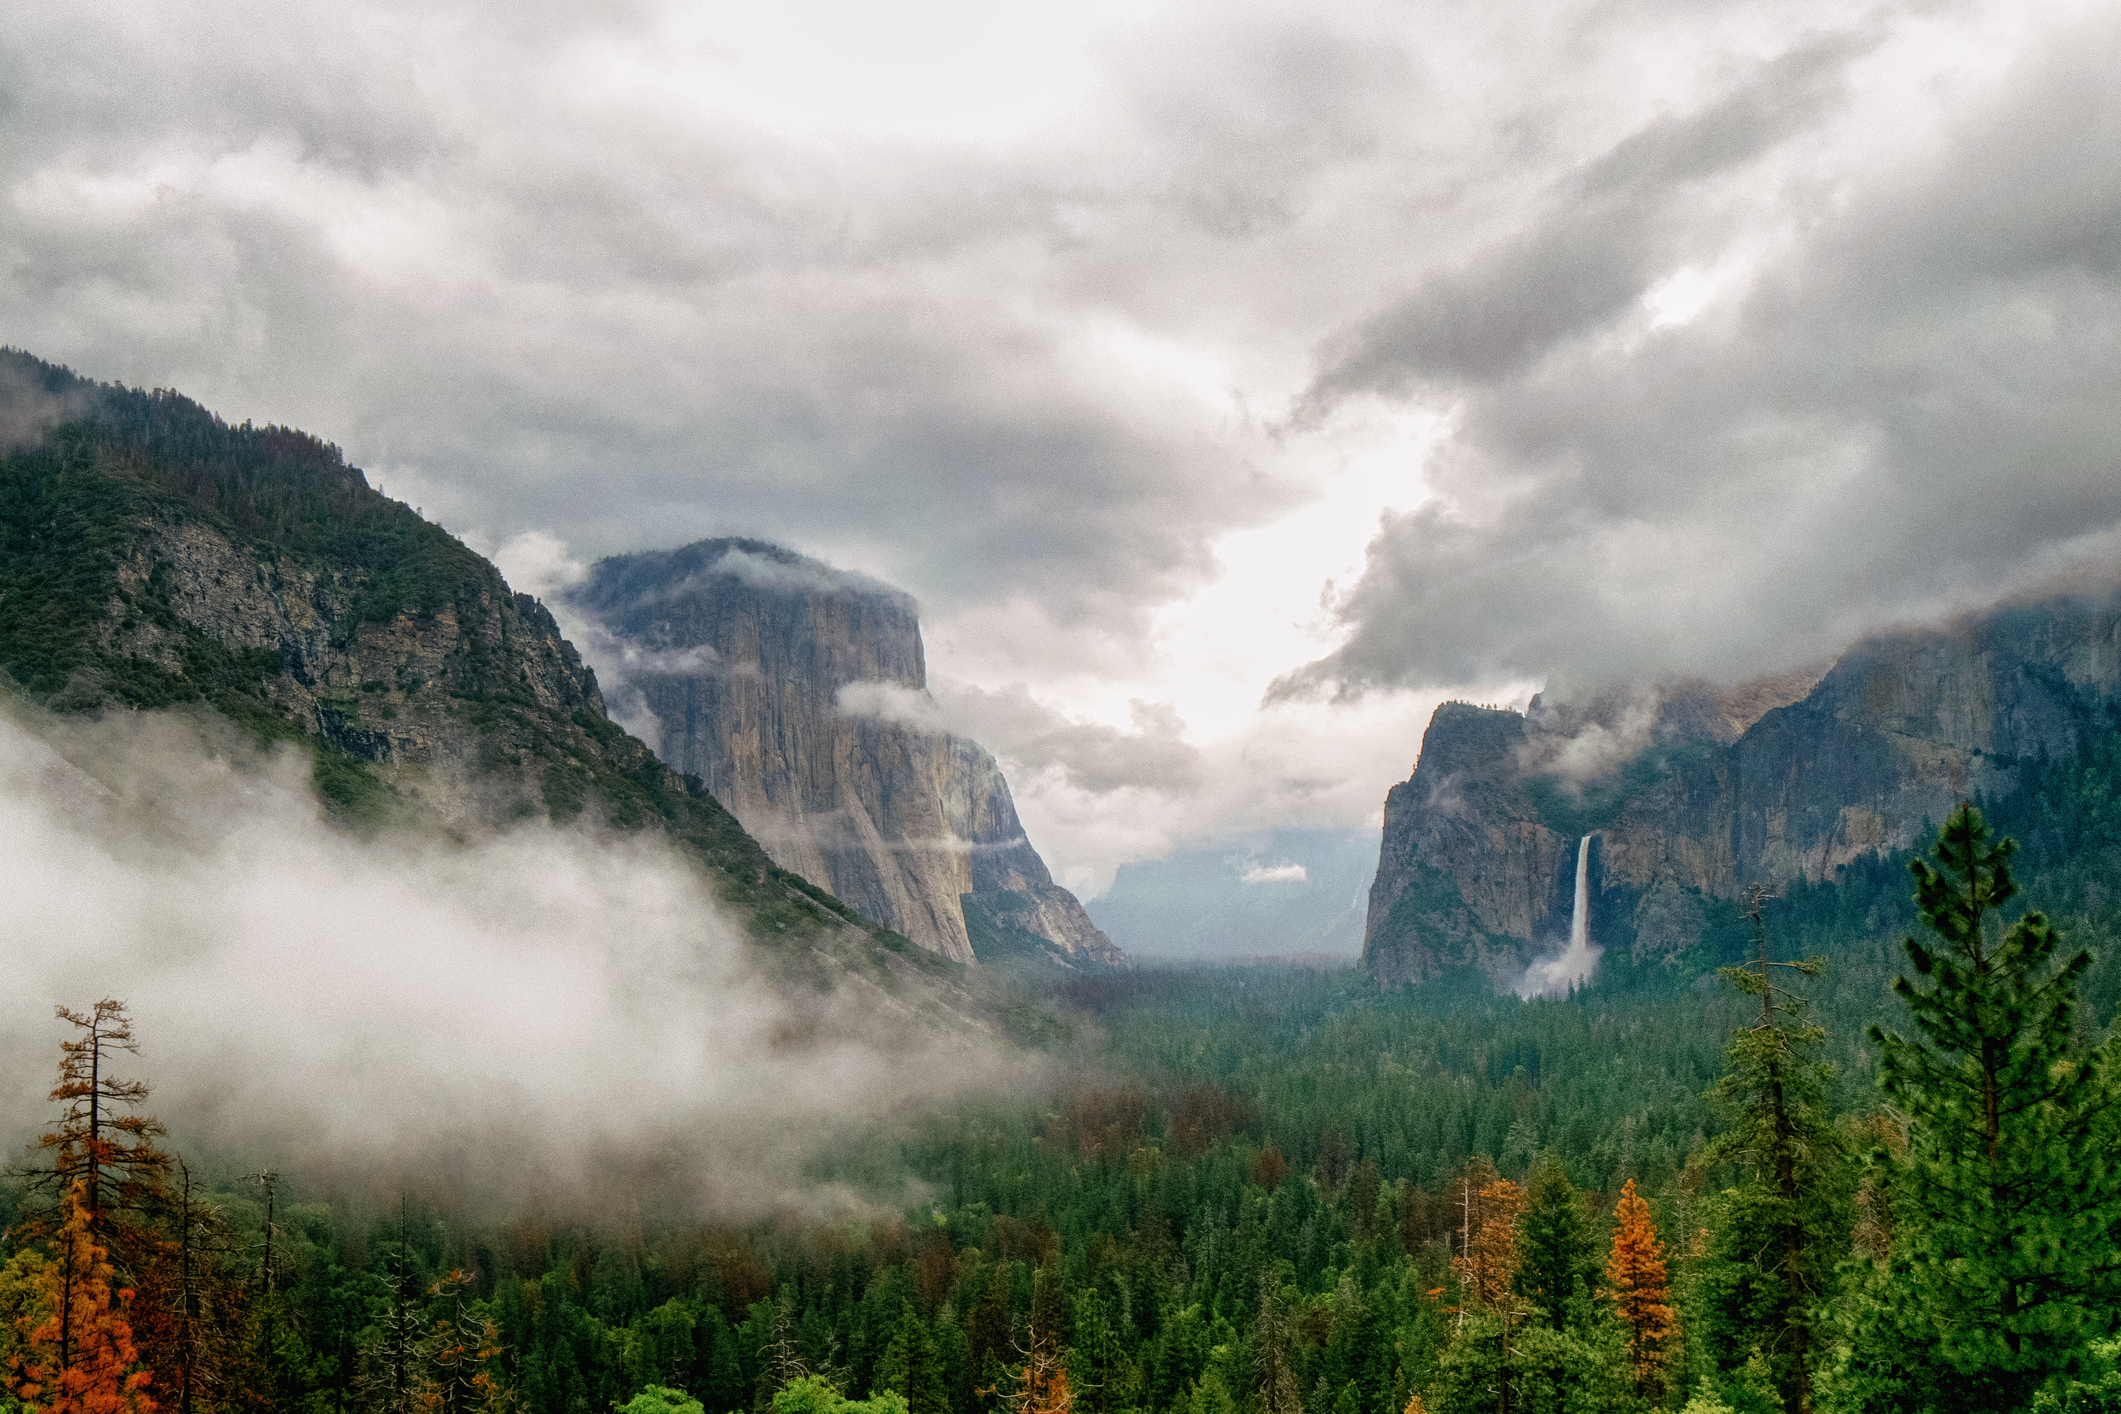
x: 1695, y: 793
x: 798, y: 694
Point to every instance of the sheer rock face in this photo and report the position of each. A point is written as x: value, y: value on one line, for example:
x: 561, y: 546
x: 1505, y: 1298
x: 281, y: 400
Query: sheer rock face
x: 1693, y: 795
x: 390, y: 693
x: 798, y: 694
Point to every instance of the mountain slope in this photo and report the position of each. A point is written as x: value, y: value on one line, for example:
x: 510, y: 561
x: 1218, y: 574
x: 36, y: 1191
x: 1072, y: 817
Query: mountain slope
x: 798, y: 692
x: 153, y: 556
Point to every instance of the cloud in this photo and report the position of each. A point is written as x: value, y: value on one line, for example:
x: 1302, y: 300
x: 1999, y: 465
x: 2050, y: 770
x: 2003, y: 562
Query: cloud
x: 27, y: 410
x: 1094, y: 796
x: 1150, y: 755
x: 891, y: 702
x: 1897, y: 414
x: 1610, y: 231
x: 538, y: 1009
x: 1275, y: 874
x: 1713, y: 336
x: 579, y: 300
x: 795, y: 574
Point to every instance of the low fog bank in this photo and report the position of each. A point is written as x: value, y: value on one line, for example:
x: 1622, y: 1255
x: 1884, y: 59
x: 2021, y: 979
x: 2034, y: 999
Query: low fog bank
x: 518, y: 1019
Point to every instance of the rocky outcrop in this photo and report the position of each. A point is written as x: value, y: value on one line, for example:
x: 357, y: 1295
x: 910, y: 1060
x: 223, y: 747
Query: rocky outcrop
x: 441, y: 703
x: 798, y: 694
x: 1692, y: 796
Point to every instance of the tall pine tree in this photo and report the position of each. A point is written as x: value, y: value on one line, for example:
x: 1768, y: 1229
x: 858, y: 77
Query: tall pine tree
x: 2005, y: 1262
x: 1770, y: 1274
x: 1642, y: 1294
x: 1557, y: 1266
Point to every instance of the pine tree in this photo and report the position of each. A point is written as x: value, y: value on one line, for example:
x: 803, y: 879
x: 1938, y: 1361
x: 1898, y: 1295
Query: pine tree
x: 189, y: 1310
x: 987, y: 1331
x: 1642, y: 1293
x: 1770, y: 1276
x: 1274, y: 1378
x: 99, y: 1143
x: 912, y: 1366
x: 1557, y: 1266
x: 81, y: 1360
x: 1487, y: 1260
x: 1040, y: 1380
x: 2006, y: 1204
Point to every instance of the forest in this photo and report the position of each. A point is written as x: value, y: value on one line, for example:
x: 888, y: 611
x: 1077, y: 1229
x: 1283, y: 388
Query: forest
x: 1769, y: 1177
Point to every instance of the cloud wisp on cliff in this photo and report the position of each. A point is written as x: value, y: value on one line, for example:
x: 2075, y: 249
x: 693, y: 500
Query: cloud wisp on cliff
x: 1167, y: 353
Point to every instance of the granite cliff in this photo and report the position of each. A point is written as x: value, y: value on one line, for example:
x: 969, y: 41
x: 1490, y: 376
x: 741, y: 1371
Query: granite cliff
x: 154, y: 557
x: 1693, y: 794
x: 798, y: 693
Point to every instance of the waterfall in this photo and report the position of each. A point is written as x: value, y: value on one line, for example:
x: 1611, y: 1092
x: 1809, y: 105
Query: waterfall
x: 1579, y: 923
x: 1572, y: 967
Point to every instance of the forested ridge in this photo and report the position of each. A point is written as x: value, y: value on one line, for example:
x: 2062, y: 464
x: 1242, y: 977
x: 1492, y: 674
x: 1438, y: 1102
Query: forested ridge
x: 1283, y: 1190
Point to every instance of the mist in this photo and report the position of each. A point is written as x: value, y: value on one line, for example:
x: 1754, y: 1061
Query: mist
x: 514, y: 1018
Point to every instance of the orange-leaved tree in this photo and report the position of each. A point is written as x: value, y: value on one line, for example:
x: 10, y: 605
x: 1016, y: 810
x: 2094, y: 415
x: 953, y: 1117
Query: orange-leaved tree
x: 81, y: 1359
x: 1041, y: 1381
x: 101, y: 1146
x: 1488, y: 1243
x: 1636, y: 1276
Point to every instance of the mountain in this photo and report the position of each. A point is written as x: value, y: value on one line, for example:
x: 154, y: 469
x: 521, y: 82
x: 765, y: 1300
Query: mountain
x: 798, y: 693
x: 153, y: 556
x: 1279, y: 893
x: 1688, y: 799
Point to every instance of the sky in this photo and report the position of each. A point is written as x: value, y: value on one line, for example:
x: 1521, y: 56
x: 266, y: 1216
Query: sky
x: 1231, y: 383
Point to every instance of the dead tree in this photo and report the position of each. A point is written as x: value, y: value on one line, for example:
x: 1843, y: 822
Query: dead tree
x: 99, y: 1141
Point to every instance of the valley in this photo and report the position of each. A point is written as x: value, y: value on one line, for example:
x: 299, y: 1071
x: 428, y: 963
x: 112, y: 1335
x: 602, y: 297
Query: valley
x: 704, y: 1031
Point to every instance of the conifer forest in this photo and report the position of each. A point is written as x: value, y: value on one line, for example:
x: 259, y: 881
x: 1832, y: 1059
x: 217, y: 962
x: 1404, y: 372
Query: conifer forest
x: 1854, y: 1154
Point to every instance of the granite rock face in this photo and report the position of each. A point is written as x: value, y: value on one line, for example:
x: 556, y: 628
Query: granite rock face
x: 797, y: 694
x: 1693, y: 795
x: 416, y: 694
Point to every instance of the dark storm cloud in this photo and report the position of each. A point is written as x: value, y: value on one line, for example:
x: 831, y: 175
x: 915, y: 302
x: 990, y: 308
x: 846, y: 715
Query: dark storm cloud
x: 1610, y: 232
x: 531, y: 282
x: 1910, y: 410
x: 388, y: 226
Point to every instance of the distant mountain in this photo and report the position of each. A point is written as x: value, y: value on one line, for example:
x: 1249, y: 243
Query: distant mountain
x: 1280, y: 893
x: 799, y: 694
x: 1687, y: 800
x: 154, y: 557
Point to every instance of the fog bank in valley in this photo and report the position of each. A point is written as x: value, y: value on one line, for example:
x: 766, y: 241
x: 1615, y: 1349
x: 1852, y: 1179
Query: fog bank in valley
x: 506, y: 1020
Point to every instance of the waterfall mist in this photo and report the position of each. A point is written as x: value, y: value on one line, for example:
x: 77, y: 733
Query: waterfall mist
x: 1554, y: 976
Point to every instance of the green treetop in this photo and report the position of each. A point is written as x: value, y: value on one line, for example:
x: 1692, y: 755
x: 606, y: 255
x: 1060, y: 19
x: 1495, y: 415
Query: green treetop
x: 2006, y: 1203
x: 1770, y: 1272
x: 1557, y: 1258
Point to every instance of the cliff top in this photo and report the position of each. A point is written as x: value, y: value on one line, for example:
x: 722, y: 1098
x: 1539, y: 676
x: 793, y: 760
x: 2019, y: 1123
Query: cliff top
x: 757, y: 565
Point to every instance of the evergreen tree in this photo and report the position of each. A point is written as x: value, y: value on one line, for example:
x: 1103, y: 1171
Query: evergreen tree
x: 912, y: 1365
x: 1274, y: 1387
x: 1557, y: 1266
x: 1487, y: 1260
x: 100, y: 1143
x: 1642, y: 1294
x: 1770, y: 1274
x: 2006, y: 1205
